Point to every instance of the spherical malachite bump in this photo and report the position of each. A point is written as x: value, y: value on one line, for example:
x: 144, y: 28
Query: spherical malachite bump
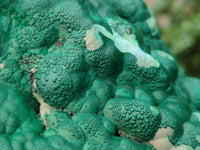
x: 134, y: 75
x: 56, y: 86
x: 171, y: 120
x: 133, y: 117
x: 106, y: 60
x: 191, y: 135
x: 178, y: 106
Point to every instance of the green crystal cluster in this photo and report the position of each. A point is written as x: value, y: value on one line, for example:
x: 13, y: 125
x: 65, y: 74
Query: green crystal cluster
x: 91, y: 75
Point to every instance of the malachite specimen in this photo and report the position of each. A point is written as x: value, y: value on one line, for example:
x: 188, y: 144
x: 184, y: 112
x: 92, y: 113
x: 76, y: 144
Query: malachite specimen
x: 91, y: 75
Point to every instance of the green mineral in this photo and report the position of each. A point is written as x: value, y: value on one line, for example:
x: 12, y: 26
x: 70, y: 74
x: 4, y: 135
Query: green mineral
x: 91, y: 75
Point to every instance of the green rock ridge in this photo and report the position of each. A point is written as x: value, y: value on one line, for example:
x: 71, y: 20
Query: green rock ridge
x: 91, y: 75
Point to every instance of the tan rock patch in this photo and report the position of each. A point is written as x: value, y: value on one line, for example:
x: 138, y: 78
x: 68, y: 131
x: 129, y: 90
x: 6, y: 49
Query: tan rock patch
x: 160, y: 140
x: 1, y: 66
x: 93, y: 40
x: 44, y: 107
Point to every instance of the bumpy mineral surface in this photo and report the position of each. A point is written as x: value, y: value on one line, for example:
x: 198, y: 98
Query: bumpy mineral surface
x: 91, y: 75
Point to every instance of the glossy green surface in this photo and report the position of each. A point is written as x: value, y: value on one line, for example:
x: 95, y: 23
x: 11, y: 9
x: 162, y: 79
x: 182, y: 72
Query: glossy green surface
x: 90, y: 75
